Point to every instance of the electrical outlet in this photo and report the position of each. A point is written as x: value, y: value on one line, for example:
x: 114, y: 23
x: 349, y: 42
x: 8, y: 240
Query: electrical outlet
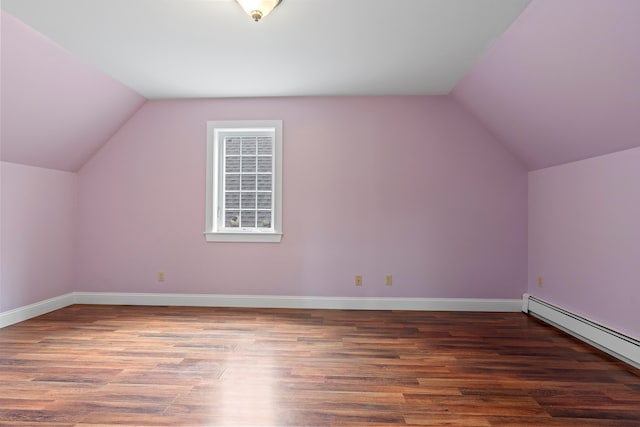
x: 160, y: 276
x: 540, y: 282
x: 358, y: 280
x: 388, y: 280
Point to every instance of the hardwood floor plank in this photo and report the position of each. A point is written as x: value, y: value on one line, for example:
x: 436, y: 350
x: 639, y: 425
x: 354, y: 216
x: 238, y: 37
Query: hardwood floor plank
x: 166, y: 366
x: 448, y: 420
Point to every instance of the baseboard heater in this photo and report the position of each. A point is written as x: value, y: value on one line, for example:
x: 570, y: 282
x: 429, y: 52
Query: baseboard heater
x: 618, y: 345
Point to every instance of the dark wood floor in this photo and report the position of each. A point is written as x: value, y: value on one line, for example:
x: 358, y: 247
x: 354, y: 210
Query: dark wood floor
x: 95, y: 365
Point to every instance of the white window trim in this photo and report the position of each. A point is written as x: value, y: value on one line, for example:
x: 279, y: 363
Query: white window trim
x: 214, y: 128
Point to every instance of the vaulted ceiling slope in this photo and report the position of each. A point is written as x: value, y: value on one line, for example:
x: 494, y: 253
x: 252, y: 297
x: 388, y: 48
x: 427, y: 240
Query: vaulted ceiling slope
x: 563, y: 82
x: 71, y: 68
x: 56, y: 109
x: 211, y: 48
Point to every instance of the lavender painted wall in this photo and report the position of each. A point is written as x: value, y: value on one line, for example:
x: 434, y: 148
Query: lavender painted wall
x: 409, y: 186
x: 38, y: 230
x: 584, y: 238
x: 56, y: 110
x: 561, y: 84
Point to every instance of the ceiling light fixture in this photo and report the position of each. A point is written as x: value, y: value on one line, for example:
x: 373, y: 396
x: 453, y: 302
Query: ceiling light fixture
x: 257, y: 9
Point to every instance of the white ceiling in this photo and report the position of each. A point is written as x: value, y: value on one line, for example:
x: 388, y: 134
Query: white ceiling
x: 211, y: 48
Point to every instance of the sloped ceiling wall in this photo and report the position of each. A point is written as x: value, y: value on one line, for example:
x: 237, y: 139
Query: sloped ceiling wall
x: 56, y: 110
x: 563, y: 82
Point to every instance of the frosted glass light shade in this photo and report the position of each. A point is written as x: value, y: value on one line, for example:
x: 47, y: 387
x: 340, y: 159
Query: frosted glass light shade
x: 257, y: 9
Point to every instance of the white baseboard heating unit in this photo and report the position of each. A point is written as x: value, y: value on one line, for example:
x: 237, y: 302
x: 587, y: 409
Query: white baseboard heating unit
x: 618, y: 345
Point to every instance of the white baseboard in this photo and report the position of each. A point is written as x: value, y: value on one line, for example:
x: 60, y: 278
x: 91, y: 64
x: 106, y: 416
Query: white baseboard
x: 269, y: 301
x: 618, y: 345
x: 34, y: 310
x: 259, y: 301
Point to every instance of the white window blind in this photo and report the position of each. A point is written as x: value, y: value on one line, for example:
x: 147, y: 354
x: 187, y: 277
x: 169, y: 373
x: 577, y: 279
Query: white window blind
x: 248, y: 182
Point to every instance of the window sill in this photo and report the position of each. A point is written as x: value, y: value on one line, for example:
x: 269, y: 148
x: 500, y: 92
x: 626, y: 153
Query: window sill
x: 243, y: 237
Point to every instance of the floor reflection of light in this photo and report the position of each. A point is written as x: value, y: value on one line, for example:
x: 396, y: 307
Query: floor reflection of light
x: 246, y: 394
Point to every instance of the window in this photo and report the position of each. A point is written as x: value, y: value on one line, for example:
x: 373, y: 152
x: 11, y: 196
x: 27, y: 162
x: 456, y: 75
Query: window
x: 244, y: 181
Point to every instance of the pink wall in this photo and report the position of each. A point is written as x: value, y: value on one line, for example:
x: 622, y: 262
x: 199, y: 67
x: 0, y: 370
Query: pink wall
x: 561, y: 84
x: 409, y: 186
x: 38, y: 224
x: 584, y: 238
x: 56, y: 110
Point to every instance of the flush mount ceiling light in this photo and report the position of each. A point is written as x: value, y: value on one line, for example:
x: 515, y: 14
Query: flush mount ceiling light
x: 257, y: 9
